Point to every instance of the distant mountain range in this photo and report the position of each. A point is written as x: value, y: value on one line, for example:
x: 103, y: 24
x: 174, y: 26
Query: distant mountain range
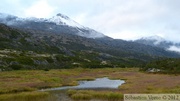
x: 76, y: 43
x: 157, y: 41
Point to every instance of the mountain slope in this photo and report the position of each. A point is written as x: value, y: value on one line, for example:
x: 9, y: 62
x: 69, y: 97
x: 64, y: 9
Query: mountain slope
x: 61, y: 25
x: 41, y: 41
x: 39, y: 50
x: 57, y: 24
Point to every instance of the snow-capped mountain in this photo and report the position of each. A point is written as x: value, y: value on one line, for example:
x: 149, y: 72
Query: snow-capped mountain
x: 61, y: 19
x: 57, y: 24
x: 59, y: 35
x: 160, y: 42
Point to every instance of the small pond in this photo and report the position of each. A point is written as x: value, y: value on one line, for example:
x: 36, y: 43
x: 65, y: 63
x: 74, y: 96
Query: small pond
x: 60, y: 93
x: 99, y: 83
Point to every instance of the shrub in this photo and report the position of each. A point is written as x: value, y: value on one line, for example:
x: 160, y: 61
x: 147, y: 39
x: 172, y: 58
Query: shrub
x: 46, y: 69
x: 171, y: 66
x: 49, y: 60
x: 16, y: 67
x: 25, y: 60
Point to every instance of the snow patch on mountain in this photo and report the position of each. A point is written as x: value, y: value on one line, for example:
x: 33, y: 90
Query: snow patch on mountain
x: 34, y: 19
x: 61, y: 19
x: 90, y: 34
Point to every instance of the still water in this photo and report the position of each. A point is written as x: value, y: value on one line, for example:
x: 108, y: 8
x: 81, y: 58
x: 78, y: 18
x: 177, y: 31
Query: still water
x: 60, y: 93
x: 99, y: 83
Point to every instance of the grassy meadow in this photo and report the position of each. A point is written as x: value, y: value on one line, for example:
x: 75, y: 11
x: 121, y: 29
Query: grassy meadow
x: 25, y: 83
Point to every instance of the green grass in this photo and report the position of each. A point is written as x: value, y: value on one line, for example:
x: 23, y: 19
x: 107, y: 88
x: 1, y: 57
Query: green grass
x: 89, y: 94
x: 174, y: 90
x: 26, y: 96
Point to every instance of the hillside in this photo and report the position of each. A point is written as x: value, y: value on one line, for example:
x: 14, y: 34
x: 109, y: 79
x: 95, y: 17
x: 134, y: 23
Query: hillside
x: 23, y: 50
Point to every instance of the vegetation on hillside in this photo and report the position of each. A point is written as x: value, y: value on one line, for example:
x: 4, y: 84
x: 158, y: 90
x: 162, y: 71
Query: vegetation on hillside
x: 164, y: 66
x: 22, y: 60
x: 30, y: 49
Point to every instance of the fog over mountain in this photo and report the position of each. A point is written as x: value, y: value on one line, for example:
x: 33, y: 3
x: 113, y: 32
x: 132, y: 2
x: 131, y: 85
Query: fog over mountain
x: 120, y: 19
x: 157, y: 41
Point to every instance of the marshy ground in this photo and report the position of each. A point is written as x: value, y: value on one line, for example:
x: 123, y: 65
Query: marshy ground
x: 23, y: 85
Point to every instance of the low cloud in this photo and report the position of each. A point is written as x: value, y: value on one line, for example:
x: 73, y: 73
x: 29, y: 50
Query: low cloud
x: 40, y: 9
x: 122, y: 19
x: 174, y: 48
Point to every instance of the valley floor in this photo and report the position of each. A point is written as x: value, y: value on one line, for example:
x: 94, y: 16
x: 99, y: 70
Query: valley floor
x: 14, y: 84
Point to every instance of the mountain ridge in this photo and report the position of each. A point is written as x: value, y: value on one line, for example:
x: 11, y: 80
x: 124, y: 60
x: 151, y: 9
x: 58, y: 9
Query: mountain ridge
x: 57, y: 24
x: 157, y: 41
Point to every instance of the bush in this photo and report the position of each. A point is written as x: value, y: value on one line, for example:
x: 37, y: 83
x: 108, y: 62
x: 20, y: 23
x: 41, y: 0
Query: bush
x: 46, y: 69
x: 25, y: 60
x: 165, y: 66
x: 50, y: 60
x: 16, y: 67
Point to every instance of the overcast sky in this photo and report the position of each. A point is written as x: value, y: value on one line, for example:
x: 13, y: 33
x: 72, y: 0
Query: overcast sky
x: 120, y: 19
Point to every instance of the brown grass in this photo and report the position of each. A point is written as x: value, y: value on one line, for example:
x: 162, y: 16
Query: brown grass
x: 136, y: 82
